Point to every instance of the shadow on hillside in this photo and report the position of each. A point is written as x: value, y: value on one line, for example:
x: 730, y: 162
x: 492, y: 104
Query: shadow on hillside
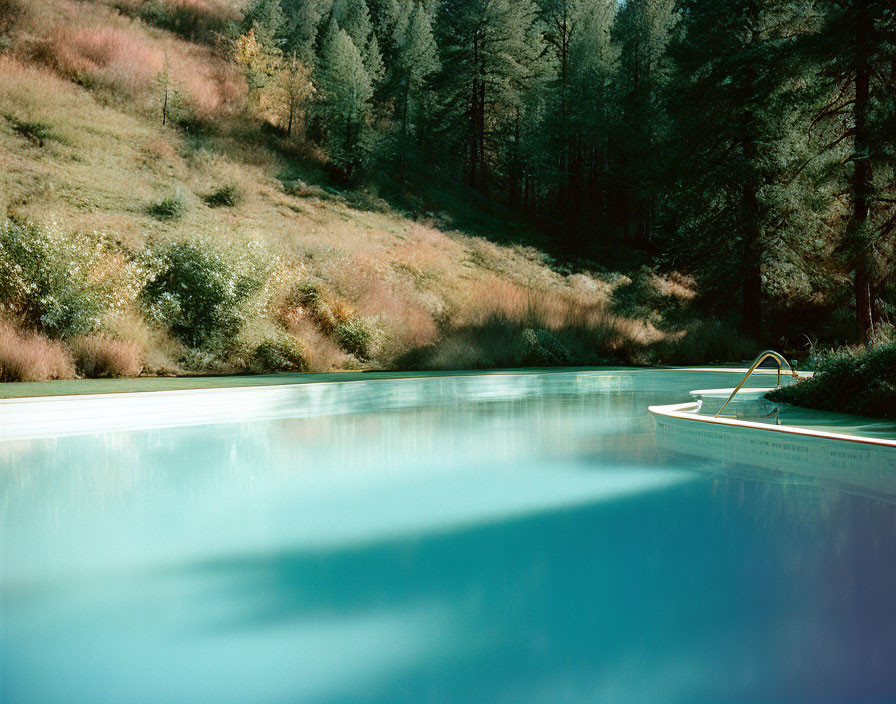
x: 598, y: 338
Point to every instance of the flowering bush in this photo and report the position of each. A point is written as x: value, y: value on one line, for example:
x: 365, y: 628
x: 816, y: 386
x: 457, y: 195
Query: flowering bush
x: 61, y: 282
x: 205, y: 291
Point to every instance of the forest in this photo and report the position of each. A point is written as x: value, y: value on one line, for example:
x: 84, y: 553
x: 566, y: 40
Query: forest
x: 254, y: 186
x: 750, y: 143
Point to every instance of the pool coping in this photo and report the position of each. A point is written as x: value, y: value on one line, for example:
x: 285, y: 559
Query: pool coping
x: 678, y: 411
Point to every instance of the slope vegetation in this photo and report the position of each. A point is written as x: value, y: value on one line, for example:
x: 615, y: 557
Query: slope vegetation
x: 155, y: 221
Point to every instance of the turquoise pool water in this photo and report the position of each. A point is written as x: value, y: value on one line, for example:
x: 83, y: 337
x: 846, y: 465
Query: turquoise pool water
x: 529, y: 543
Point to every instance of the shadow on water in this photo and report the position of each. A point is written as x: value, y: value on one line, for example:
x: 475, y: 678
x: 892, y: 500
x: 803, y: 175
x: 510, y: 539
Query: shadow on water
x: 682, y: 601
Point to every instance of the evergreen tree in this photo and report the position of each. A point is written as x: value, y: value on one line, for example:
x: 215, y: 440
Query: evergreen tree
x: 353, y: 16
x: 855, y: 52
x: 390, y: 18
x: 581, y: 63
x: 733, y: 111
x: 488, y: 51
x: 266, y: 21
x: 643, y: 29
x: 301, y: 25
x: 592, y: 105
x: 373, y: 61
x: 344, y: 106
x: 416, y: 60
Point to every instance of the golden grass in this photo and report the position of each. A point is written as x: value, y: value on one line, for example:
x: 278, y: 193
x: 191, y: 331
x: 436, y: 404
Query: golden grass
x: 27, y: 356
x: 104, y: 356
x: 117, y: 57
x: 423, y: 286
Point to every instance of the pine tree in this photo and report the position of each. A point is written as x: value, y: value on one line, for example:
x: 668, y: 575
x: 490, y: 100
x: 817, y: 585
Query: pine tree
x: 416, y: 60
x: 733, y: 113
x: 353, y: 16
x: 643, y: 29
x: 344, y: 106
x: 488, y: 51
x: 373, y: 61
x: 581, y: 63
x: 301, y: 26
x: 855, y: 52
x: 266, y: 20
x: 592, y: 106
x: 390, y: 18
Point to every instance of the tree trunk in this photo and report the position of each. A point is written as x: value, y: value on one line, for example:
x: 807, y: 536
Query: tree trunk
x: 474, y: 115
x: 752, y: 290
x: 862, y: 175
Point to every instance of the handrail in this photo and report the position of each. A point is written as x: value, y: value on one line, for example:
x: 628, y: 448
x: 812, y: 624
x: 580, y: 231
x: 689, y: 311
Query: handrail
x: 779, y: 358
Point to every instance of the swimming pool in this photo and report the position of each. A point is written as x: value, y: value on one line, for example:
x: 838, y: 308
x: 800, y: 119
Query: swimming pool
x: 493, y: 538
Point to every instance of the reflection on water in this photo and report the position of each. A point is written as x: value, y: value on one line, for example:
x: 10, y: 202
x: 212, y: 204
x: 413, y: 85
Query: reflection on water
x: 529, y: 550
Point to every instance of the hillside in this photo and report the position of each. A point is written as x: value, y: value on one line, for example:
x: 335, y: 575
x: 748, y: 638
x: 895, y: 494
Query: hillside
x: 298, y: 269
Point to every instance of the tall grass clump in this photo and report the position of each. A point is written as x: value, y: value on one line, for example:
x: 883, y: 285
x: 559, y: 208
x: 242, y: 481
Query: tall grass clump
x: 520, y: 328
x: 105, y: 356
x: 64, y: 283
x: 116, y: 58
x: 204, y: 291
x: 226, y: 196
x: 28, y: 356
x: 850, y: 380
x: 172, y: 207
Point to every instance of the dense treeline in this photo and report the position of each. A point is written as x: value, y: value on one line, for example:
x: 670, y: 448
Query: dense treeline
x: 751, y: 143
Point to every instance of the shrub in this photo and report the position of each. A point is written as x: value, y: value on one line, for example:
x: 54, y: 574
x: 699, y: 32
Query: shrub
x: 314, y: 299
x: 542, y: 349
x: 104, y: 356
x: 704, y: 342
x: 195, y: 20
x: 280, y: 354
x: 849, y: 380
x: 35, y: 131
x: 172, y: 207
x: 27, y: 356
x: 357, y: 336
x: 62, y: 282
x: 225, y: 196
x: 204, y: 291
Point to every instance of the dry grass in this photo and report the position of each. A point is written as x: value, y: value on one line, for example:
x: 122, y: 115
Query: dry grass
x: 323, y: 354
x: 116, y: 57
x: 104, y: 356
x: 156, y: 347
x: 120, y: 57
x: 27, y: 356
x: 426, y: 289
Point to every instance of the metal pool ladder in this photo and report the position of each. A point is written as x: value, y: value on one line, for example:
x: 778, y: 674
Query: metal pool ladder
x: 779, y: 358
